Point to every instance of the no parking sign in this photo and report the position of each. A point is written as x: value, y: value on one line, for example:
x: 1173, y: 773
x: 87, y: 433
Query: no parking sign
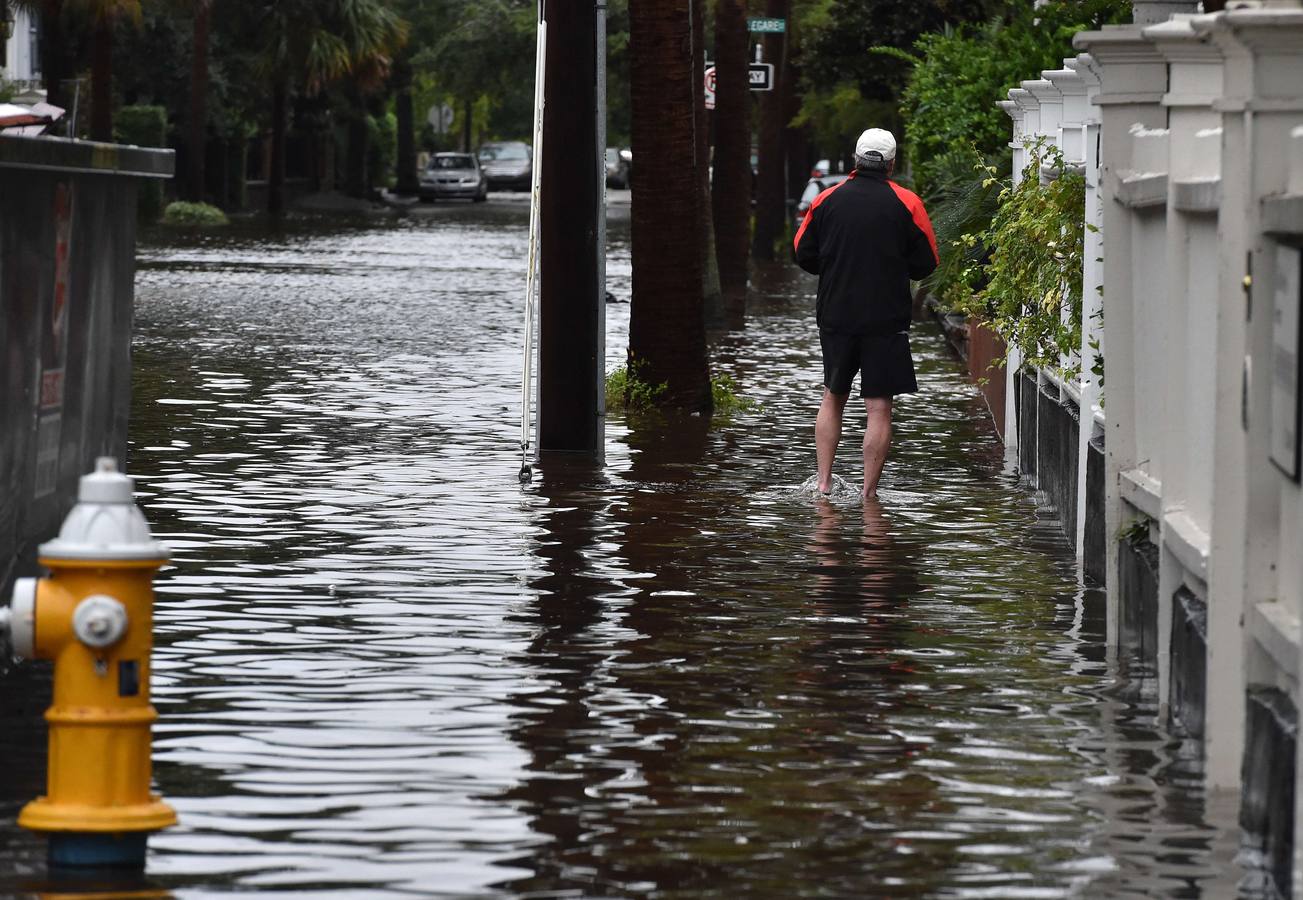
x: 710, y: 87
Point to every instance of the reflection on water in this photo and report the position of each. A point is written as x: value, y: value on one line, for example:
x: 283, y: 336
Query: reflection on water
x: 385, y: 669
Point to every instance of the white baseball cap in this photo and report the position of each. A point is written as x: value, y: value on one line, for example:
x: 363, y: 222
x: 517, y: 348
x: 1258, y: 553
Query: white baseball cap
x: 876, y: 143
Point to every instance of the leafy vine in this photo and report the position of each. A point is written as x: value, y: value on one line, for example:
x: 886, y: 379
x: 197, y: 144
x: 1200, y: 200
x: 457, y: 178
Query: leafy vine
x: 1029, y: 288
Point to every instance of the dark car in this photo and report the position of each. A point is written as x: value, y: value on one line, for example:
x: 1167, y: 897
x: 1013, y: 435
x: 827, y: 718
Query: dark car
x: 508, y: 164
x: 451, y: 175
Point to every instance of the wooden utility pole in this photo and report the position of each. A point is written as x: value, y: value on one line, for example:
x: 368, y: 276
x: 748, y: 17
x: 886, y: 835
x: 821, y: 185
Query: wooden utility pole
x: 572, y: 299
x: 732, y: 188
x: 771, y: 190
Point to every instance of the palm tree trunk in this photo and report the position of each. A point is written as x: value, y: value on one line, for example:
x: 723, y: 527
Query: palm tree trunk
x: 276, y: 177
x: 406, y: 184
x: 466, y: 127
x: 712, y: 298
x: 771, y: 199
x: 101, y: 79
x: 355, y: 155
x: 199, y: 99
x: 52, y: 54
x: 667, y: 334
x: 732, y: 189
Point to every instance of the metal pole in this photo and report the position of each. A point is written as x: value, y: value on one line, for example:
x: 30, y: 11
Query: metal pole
x: 599, y: 42
x: 527, y: 368
x: 570, y: 356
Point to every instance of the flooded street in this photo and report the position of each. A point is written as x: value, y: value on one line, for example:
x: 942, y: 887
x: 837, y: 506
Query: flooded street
x: 385, y: 669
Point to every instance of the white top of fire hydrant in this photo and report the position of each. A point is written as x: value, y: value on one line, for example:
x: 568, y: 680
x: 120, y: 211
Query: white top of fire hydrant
x: 105, y: 524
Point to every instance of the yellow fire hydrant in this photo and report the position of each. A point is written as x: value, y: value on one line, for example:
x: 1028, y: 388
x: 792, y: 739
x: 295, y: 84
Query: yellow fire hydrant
x: 93, y: 616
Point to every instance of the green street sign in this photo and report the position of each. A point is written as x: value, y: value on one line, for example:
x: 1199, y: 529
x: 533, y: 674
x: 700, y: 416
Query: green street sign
x: 767, y: 26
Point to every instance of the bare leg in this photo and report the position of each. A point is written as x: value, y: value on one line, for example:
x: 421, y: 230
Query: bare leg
x: 877, y: 440
x: 827, y: 431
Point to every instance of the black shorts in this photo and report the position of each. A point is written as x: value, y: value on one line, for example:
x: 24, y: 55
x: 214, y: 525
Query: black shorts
x: 883, y: 361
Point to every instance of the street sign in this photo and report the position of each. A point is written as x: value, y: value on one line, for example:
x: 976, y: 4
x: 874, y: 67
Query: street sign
x: 440, y: 118
x: 767, y: 26
x: 760, y: 76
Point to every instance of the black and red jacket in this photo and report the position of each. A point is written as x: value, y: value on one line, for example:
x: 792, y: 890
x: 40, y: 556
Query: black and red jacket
x: 866, y: 238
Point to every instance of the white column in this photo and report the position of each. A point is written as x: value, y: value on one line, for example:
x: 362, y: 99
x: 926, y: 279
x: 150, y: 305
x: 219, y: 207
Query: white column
x: 1013, y: 360
x: 1132, y: 81
x: 1257, y: 529
x: 1086, y: 122
x: 1194, y: 169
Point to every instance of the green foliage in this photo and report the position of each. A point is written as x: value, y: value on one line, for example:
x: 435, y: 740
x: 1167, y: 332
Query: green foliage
x: 190, y: 215
x: 727, y: 400
x: 964, y: 200
x: 836, y: 115
x: 144, y: 126
x: 382, y: 147
x: 949, y: 100
x: 1032, y: 293
x: 626, y: 391
x: 1135, y: 532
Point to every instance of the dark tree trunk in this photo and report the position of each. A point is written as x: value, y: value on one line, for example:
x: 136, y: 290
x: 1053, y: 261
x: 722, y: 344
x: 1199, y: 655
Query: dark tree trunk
x: 405, y: 182
x: 731, y: 196
x: 466, y: 134
x: 52, y: 49
x: 667, y: 333
x: 101, y: 79
x: 199, y: 99
x: 355, y: 180
x: 276, y: 177
x: 712, y: 299
x: 771, y: 199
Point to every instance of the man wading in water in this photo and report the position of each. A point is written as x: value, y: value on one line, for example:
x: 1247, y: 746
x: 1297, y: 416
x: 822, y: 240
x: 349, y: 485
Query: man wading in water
x: 865, y: 238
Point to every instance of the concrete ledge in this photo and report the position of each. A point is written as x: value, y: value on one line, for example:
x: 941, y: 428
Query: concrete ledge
x: 1141, y: 190
x: 1282, y: 216
x: 63, y: 155
x: 1197, y: 195
x: 1142, y: 492
x: 1276, y: 629
x: 1187, y: 542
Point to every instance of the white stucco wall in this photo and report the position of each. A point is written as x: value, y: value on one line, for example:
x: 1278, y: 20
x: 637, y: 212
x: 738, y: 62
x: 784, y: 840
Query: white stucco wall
x: 21, y: 59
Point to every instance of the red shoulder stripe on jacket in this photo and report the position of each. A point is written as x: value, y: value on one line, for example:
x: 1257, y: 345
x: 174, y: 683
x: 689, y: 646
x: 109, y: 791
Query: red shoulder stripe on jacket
x: 796, y: 243
x: 915, y: 207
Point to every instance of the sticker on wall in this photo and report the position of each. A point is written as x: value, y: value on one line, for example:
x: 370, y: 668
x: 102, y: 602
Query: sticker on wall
x: 54, y: 349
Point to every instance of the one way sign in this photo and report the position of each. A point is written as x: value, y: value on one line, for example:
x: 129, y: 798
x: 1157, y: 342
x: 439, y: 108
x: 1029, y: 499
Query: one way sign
x: 762, y: 76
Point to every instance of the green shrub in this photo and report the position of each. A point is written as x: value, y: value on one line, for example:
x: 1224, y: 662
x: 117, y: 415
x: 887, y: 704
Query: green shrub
x: 144, y: 126
x: 949, y: 100
x: 626, y: 391
x: 1032, y: 281
x: 727, y: 400
x: 382, y: 148
x: 186, y: 214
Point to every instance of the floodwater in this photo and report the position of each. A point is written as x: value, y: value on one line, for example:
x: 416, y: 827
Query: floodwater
x: 386, y: 669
